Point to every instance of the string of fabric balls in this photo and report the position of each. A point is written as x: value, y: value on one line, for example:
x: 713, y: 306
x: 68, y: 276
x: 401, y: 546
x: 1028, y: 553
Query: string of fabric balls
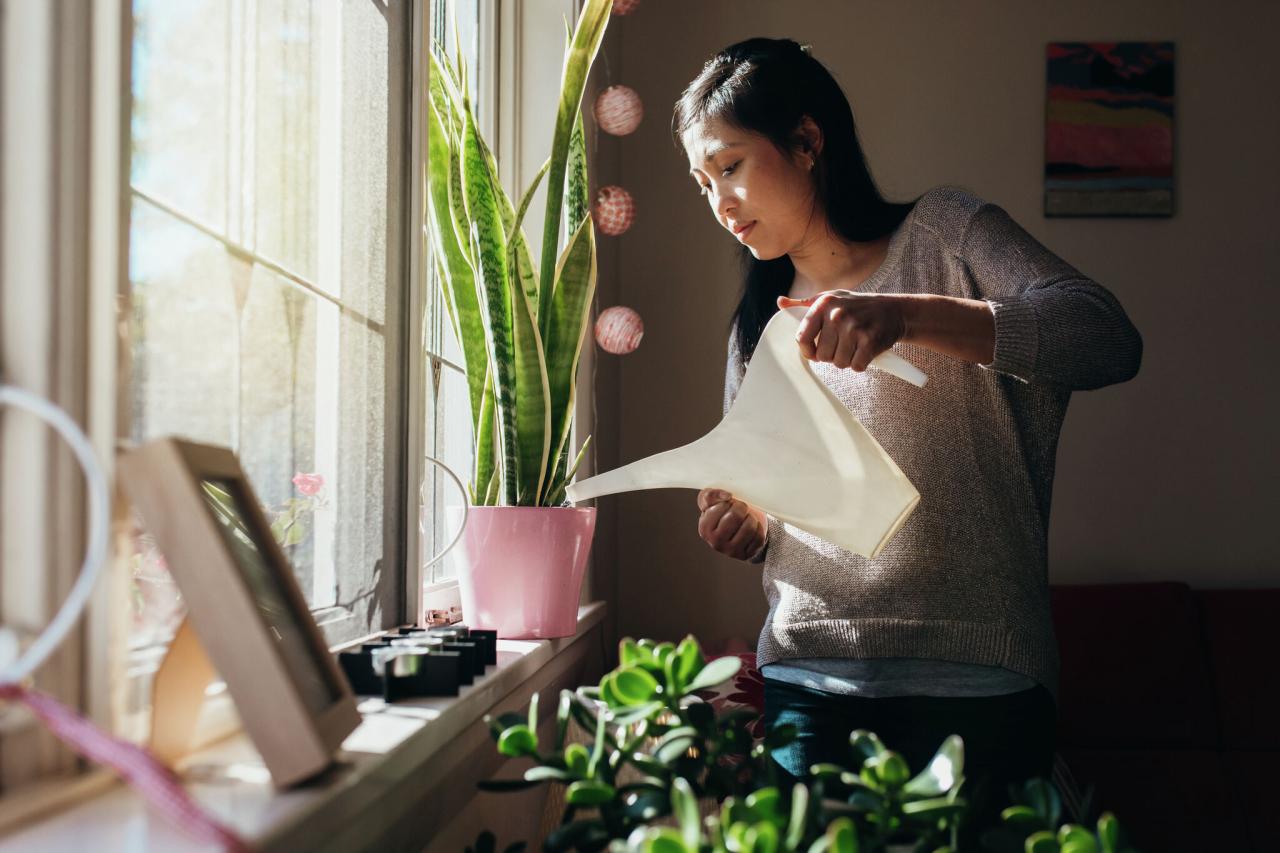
x: 618, y: 111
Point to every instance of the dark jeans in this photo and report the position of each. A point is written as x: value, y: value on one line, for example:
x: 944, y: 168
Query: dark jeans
x: 1007, y: 738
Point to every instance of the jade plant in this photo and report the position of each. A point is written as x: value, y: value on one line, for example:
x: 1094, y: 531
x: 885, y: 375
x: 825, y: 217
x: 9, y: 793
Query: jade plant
x: 1033, y: 824
x: 520, y: 325
x: 656, y: 750
x: 663, y: 772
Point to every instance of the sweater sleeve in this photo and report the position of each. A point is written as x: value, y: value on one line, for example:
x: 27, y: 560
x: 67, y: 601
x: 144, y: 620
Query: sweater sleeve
x: 733, y: 373
x: 1052, y: 323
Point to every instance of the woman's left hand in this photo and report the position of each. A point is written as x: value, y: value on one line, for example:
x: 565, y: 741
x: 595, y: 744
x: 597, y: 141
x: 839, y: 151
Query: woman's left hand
x: 848, y: 329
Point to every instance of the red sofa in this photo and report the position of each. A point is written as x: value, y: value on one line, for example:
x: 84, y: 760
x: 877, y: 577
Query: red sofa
x: 1168, y: 707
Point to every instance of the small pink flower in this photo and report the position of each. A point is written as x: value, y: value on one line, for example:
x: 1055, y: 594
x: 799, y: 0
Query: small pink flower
x: 309, y: 484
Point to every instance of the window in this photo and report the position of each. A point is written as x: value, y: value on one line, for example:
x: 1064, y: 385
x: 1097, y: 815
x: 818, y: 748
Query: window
x: 269, y: 292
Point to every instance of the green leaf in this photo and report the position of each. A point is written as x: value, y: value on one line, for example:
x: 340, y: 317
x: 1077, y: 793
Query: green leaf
x: 533, y: 394
x: 635, y: 714
x: 799, y: 822
x: 577, y: 193
x: 762, y: 838
x: 763, y: 803
x: 1024, y: 818
x: 1076, y: 839
x: 1109, y: 833
x: 841, y: 837
x: 715, y: 673
x: 563, y: 712
x: 564, y: 328
x: 631, y: 654
x: 942, y: 773
x: 576, y: 757
x: 543, y: 773
x: 533, y: 711
x: 891, y: 769
x: 457, y: 278
x: 933, y: 809
x: 597, y: 748
x: 1043, y: 797
x: 1041, y: 842
x: 587, y: 36
x: 588, y: 792
x: 488, y: 242
x: 518, y: 741
x: 688, y: 661
x: 865, y: 745
x: 671, y: 750
x: 684, y: 805
x: 663, y: 839
x: 633, y: 685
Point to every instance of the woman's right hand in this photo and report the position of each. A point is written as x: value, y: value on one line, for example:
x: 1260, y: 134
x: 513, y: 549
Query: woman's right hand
x: 730, y: 526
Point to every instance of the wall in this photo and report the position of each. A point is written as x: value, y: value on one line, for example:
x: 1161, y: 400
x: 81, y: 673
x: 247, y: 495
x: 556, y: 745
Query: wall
x: 1166, y: 477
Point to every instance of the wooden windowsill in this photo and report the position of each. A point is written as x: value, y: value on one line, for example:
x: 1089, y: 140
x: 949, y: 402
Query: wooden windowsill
x: 399, y: 776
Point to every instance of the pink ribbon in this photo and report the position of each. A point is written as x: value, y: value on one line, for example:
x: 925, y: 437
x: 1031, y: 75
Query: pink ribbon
x: 157, y: 784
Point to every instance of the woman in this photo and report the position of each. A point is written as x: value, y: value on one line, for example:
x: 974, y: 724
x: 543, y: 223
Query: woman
x: 948, y: 630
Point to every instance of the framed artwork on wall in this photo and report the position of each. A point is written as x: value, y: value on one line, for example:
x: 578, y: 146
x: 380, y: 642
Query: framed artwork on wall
x: 243, y: 602
x: 1109, y: 129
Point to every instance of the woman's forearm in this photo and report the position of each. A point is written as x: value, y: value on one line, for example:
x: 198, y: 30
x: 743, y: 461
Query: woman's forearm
x: 960, y: 328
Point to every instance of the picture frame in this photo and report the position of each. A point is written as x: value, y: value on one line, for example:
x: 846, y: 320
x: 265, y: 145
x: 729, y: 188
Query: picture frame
x: 244, y: 603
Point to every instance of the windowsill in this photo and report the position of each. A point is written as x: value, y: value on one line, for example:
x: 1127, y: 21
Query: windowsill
x: 395, y: 774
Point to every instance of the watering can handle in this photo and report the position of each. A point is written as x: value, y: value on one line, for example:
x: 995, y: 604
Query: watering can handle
x: 890, y: 362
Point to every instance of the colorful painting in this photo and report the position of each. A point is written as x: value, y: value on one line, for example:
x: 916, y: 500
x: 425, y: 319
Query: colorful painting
x: 1109, y: 129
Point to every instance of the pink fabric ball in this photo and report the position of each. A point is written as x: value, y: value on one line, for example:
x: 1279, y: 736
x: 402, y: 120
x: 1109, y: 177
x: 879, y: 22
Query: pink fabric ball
x: 625, y: 7
x: 619, y: 110
x: 619, y: 330
x: 614, y: 210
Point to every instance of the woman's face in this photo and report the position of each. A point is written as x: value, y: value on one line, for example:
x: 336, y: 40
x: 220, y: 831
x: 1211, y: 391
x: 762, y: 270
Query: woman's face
x: 763, y: 197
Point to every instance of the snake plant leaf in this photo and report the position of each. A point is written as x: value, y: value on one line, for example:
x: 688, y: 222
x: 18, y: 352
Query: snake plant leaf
x: 533, y: 396
x: 556, y: 495
x: 518, y: 244
x: 486, y: 463
x: 444, y: 95
x: 578, y: 59
x: 458, y: 279
x: 532, y: 400
x: 577, y: 196
x: 488, y: 239
x: 516, y: 239
x: 575, y: 284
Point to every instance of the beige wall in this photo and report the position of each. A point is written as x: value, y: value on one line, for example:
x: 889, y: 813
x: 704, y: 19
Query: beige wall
x: 1167, y: 477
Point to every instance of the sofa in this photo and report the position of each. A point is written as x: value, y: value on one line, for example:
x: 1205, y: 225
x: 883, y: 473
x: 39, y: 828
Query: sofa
x: 1168, y: 706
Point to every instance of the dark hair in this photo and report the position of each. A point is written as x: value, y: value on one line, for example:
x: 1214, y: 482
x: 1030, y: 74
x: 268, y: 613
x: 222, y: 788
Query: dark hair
x: 767, y: 86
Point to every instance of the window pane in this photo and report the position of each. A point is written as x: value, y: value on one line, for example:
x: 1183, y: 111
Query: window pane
x: 286, y: 126
x: 265, y: 251
x: 181, y: 104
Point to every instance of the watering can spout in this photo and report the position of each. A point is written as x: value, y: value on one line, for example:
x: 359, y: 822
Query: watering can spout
x: 790, y: 448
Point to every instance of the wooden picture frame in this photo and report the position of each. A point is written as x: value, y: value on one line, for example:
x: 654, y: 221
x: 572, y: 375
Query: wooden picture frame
x: 244, y: 602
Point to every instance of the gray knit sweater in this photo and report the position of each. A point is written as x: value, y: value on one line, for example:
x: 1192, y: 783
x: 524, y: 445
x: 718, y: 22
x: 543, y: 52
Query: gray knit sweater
x: 965, y: 579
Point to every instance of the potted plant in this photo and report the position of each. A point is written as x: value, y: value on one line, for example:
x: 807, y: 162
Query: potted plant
x: 653, y: 769
x: 521, y: 328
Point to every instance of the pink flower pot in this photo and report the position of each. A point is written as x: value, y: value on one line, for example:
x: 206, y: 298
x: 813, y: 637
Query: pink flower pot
x: 520, y: 569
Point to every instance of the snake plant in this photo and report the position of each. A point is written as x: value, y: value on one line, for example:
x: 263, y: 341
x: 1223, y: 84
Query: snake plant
x: 521, y: 327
